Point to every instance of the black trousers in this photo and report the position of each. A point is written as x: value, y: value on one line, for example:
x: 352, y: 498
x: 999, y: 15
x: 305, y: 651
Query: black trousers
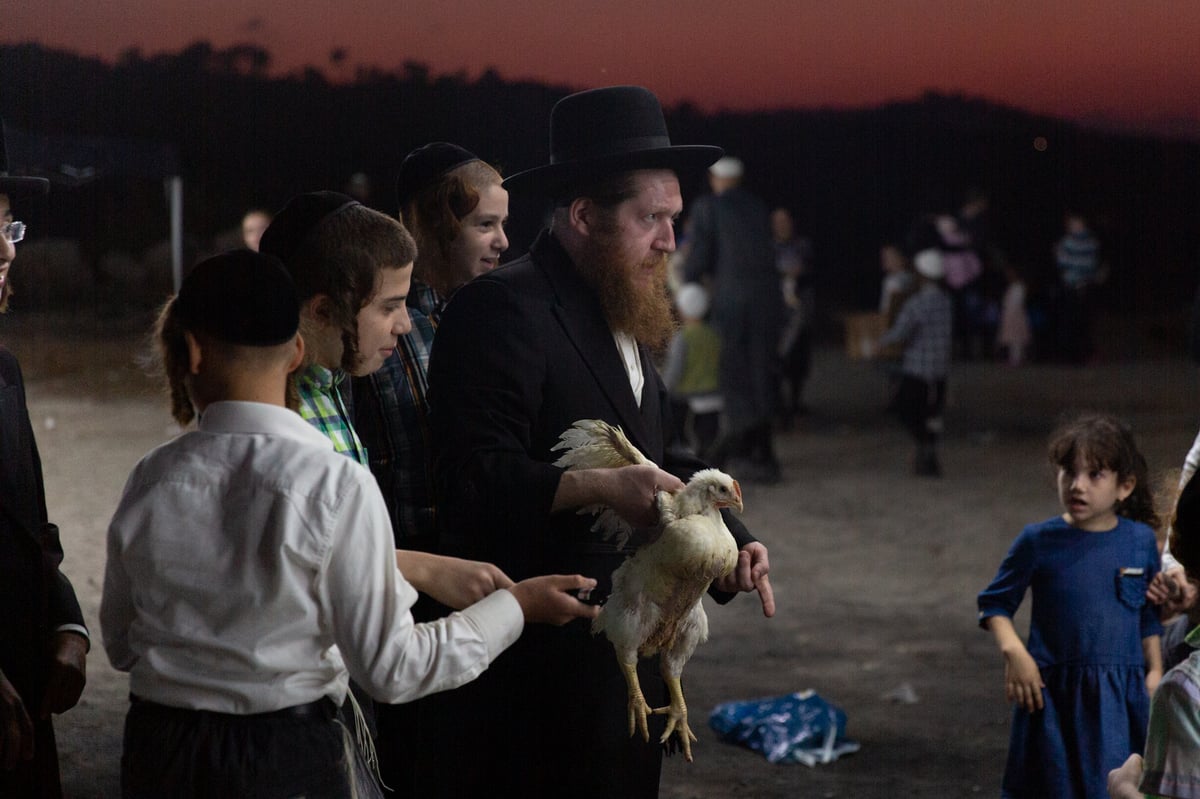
x: 796, y: 364
x: 184, y: 753
x: 698, y: 430
x: 917, y: 403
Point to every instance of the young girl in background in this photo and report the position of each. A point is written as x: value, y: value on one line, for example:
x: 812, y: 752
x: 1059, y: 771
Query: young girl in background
x: 1014, y: 336
x: 1082, y: 684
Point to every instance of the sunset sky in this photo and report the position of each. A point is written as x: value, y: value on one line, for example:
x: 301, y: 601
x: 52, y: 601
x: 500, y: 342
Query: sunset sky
x: 1133, y: 62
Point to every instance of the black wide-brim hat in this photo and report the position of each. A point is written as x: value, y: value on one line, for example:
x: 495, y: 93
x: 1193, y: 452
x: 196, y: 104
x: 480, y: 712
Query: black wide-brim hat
x: 18, y: 186
x: 23, y: 187
x: 605, y: 131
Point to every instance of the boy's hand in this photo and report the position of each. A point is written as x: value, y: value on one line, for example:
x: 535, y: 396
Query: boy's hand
x: 1123, y: 781
x: 1023, y: 681
x: 1172, y: 591
x: 551, y: 600
x: 454, y: 582
x: 1161, y: 587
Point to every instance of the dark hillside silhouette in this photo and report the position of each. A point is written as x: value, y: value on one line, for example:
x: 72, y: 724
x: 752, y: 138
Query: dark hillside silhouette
x: 854, y: 178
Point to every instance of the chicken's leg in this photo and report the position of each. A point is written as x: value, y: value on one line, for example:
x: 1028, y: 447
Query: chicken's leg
x: 676, y: 714
x: 639, y: 710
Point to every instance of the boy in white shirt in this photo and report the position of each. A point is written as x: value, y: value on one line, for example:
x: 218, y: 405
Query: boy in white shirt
x: 250, y: 574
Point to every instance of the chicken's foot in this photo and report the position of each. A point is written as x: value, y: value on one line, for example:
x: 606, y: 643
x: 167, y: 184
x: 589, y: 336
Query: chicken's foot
x: 639, y: 709
x: 676, y: 714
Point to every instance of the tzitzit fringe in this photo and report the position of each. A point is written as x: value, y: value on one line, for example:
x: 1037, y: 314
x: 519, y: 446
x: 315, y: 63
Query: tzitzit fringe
x: 360, y: 743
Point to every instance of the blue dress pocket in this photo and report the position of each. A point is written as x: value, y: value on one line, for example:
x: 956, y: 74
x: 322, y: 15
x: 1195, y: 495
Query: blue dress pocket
x: 1131, y: 587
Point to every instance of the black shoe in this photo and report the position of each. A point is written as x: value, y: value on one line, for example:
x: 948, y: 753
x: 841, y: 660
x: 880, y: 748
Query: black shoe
x: 926, y: 463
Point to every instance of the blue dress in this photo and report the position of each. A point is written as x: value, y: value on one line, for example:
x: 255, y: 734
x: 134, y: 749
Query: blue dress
x: 1087, y: 623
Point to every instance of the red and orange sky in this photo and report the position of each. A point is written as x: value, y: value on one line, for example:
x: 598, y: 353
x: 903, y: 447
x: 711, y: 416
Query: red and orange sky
x: 1130, y: 61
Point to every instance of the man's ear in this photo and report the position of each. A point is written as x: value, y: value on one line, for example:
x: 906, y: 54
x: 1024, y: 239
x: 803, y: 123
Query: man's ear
x: 581, y: 215
x: 194, y: 352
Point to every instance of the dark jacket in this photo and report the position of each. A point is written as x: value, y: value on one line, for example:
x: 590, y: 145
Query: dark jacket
x: 730, y: 246
x: 521, y: 354
x: 35, y: 596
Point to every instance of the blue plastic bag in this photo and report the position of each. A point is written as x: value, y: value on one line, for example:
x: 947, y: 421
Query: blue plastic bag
x: 797, y: 728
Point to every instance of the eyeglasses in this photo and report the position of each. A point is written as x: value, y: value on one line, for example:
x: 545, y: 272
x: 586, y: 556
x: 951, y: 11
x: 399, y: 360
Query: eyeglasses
x: 13, y: 231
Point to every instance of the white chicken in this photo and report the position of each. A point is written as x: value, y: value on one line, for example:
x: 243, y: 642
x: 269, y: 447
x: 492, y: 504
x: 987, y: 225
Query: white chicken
x: 655, y: 605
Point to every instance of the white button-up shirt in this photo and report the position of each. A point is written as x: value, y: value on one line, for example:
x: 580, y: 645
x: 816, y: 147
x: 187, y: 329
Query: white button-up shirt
x: 631, y: 359
x: 250, y: 568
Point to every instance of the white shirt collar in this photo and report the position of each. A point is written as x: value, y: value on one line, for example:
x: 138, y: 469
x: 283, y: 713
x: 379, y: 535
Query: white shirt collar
x: 231, y: 416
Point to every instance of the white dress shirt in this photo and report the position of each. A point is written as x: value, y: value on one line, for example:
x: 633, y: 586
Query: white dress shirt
x: 631, y: 359
x: 251, y: 568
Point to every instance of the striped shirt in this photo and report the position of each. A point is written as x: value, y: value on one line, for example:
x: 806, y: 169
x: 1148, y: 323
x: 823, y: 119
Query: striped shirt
x: 1078, y: 256
x: 321, y: 406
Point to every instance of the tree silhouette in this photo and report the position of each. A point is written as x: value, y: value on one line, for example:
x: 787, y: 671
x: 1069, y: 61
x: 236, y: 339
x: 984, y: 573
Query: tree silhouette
x: 854, y: 177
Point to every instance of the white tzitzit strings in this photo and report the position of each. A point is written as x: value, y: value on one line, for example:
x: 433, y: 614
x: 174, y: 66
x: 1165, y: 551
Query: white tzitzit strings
x: 360, y: 748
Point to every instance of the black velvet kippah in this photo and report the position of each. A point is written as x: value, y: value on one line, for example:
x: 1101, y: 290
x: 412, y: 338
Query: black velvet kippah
x: 426, y: 165
x: 296, y: 220
x: 240, y: 297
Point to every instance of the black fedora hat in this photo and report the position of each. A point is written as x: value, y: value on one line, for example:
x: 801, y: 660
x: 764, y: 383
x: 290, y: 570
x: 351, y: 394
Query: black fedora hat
x: 17, y: 186
x: 603, y: 131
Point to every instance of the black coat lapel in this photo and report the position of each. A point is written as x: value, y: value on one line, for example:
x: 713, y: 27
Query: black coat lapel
x: 19, y: 494
x: 651, y: 410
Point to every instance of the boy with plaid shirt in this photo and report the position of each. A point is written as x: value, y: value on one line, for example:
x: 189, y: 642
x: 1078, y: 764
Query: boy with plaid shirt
x: 924, y: 326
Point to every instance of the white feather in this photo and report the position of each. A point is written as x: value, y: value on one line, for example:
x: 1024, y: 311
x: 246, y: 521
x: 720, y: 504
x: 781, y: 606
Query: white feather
x: 595, y: 444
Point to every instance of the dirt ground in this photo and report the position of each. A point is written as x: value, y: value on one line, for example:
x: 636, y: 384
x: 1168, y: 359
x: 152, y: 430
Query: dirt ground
x: 875, y: 571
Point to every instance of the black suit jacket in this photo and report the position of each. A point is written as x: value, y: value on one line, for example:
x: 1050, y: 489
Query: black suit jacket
x: 29, y: 575
x: 520, y: 355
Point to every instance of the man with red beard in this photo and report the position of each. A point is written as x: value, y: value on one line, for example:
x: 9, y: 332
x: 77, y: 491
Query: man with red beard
x: 564, y: 333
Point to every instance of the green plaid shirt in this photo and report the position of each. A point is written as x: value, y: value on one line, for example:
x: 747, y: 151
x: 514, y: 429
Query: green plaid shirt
x: 321, y: 406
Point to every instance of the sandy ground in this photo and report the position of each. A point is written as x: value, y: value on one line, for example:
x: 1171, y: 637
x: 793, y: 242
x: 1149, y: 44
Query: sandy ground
x: 875, y: 571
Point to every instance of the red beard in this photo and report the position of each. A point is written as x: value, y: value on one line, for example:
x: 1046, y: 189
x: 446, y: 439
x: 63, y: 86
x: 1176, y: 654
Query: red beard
x: 642, y: 311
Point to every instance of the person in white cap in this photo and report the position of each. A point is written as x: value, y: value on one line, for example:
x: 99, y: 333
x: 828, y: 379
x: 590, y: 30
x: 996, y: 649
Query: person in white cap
x: 924, y: 327
x: 732, y: 251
